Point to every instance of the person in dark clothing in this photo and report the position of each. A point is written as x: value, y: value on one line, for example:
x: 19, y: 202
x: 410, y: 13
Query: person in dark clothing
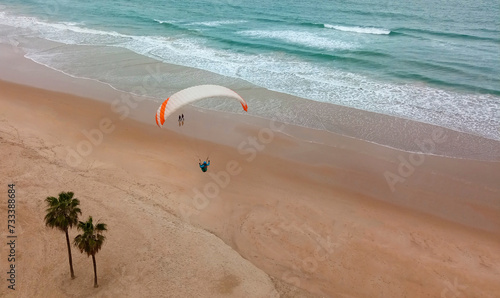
x: 204, y: 165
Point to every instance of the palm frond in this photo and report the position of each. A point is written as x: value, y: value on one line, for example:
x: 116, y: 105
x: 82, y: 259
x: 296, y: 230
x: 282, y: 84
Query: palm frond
x: 91, y: 240
x: 62, y: 212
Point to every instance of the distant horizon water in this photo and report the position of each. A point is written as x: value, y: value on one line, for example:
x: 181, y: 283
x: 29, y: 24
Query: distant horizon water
x: 432, y: 62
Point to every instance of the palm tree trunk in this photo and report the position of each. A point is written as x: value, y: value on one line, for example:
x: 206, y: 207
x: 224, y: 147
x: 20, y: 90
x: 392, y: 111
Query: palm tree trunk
x: 95, y: 272
x: 69, y: 253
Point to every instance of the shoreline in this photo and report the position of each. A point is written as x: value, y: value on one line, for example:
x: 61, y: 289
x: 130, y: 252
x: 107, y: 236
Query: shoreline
x: 379, y: 129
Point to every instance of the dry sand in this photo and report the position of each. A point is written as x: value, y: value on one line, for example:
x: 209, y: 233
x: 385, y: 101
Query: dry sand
x: 255, y: 225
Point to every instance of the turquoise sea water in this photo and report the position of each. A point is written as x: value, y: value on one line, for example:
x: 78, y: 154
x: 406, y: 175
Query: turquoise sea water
x: 436, y: 62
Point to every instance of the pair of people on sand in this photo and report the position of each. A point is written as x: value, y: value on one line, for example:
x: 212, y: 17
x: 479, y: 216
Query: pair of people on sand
x: 181, y: 119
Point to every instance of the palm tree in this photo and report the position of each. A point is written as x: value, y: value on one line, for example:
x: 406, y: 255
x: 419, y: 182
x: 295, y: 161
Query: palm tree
x: 62, y: 213
x: 91, y: 240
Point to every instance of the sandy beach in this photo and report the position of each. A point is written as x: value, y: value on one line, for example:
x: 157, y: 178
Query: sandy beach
x: 273, y: 217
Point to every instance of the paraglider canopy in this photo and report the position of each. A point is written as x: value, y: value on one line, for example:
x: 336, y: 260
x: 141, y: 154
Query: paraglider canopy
x: 192, y: 94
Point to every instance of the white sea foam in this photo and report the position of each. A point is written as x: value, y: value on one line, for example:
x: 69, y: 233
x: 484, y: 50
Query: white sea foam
x: 164, y: 21
x: 217, y: 23
x: 364, y: 30
x: 65, y: 32
x: 304, y: 38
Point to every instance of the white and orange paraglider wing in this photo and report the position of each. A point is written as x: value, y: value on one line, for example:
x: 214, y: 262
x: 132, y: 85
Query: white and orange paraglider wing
x: 192, y: 94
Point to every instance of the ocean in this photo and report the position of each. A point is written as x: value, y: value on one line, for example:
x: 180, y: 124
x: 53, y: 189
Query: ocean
x: 435, y: 62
